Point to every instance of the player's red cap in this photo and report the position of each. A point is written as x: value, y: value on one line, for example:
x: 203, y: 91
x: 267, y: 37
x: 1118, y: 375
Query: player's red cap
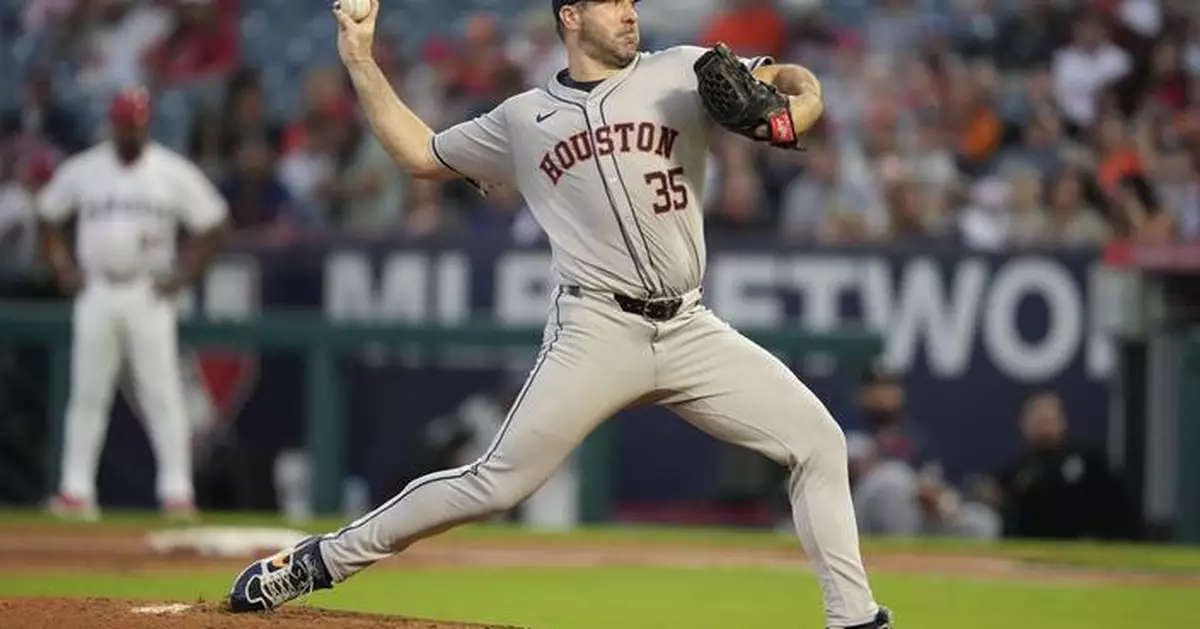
x: 130, y: 107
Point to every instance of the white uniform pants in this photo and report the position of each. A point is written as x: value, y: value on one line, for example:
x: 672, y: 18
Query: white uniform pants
x: 113, y: 322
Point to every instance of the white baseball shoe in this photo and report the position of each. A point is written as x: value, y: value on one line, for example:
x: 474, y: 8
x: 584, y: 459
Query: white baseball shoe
x: 72, y: 509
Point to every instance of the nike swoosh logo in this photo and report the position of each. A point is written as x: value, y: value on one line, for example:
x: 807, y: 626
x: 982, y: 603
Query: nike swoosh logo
x: 542, y: 117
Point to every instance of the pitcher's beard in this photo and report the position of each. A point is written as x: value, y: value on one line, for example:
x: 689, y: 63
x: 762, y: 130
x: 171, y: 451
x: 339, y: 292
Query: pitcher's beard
x: 608, y: 53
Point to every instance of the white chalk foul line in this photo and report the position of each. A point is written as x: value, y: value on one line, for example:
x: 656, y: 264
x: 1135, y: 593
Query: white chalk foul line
x: 161, y: 610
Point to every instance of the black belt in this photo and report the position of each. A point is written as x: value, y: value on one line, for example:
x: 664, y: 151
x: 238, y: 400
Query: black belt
x: 663, y: 309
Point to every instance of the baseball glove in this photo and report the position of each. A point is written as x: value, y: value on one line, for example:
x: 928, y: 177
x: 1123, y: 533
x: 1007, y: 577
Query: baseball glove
x: 740, y: 102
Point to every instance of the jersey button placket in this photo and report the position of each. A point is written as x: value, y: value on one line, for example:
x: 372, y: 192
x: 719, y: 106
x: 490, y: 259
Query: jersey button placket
x: 592, y: 111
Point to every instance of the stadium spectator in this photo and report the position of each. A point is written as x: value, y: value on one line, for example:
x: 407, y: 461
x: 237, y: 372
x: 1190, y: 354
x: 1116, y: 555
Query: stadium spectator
x: 372, y: 188
x: 111, y: 39
x: 40, y: 14
x: 216, y: 135
x: 39, y: 122
x: 339, y: 140
x: 1136, y: 203
x: 259, y: 204
x: 986, y: 221
x: 674, y: 21
x: 1073, y: 223
x: 931, y: 160
x: 323, y: 90
x: 1117, y: 154
x: 1038, y: 86
x: 19, y: 184
x: 1178, y: 187
x: 818, y: 195
x: 503, y: 213
x: 971, y: 115
x: 308, y: 168
x: 1084, y: 69
x: 245, y: 113
x: 974, y: 27
x: 1040, y: 144
x: 539, y: 53
x: 930, y: 101
x: 202, y: 44
x: 484, y: 70
x: 848, y: 81
x: 910, y: 216
x: 738, y: 204
x: 1029, y: 223
x: 749, y: 27
x: 894, y: 30
x: 1060, y: 489
x: 1191, y: 35
x: 427, y: 86
x: 1029, y: 36
x: 1165, y: 87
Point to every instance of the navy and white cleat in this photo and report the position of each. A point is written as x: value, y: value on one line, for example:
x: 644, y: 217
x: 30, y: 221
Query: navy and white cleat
x: 285, y: 576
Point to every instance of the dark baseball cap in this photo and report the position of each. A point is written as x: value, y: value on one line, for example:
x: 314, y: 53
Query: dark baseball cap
x: 559, y: 4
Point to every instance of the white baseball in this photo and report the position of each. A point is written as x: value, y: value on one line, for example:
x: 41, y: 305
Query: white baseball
x: 356, y: 9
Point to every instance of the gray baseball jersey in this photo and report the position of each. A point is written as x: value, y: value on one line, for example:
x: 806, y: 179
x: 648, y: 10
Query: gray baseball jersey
x: 614, y: 173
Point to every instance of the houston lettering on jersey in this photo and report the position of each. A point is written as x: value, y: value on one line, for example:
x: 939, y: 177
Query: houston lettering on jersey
x: 645, y: 137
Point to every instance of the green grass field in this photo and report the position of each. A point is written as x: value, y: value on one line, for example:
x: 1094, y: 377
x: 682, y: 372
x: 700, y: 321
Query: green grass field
x: 669, y: 597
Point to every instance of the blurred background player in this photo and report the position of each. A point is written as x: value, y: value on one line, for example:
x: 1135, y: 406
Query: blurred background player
x: 128, y: 196
x: 1058, y: 488
x: 896, y: 477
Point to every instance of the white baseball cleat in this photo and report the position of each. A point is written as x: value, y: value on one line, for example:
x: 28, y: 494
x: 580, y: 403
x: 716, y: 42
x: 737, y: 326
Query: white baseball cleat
x: 181, y: 511
x: 72, y: 509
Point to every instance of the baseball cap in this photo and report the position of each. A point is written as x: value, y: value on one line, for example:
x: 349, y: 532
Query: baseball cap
x: 559, y: 4
x: 130, y: 107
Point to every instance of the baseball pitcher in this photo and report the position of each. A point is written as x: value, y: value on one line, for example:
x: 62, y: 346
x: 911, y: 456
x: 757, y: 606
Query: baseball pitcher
x: 129, y: 196
x: 610, y: 156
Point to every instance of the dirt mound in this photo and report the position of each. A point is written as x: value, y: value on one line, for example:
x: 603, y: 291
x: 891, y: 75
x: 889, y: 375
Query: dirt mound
x: 93, y: 613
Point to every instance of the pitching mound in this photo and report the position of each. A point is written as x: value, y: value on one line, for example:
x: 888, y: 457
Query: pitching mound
x: 57, y: 613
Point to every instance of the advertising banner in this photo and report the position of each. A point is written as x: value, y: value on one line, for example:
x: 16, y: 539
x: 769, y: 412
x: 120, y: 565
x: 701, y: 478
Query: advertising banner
x: 974, y: 334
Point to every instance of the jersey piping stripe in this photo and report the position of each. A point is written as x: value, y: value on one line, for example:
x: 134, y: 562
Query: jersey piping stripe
x: 438, y: 156
x: 662, y: 286
x: 696, y: 252
x: 612, y: 204
x: 473, y: 468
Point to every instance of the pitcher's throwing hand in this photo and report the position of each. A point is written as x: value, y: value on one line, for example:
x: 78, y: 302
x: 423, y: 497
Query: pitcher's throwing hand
x: 356, y: 34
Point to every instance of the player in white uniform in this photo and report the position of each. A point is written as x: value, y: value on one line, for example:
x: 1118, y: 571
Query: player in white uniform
x: 129, y: 197
x: 610, y: 156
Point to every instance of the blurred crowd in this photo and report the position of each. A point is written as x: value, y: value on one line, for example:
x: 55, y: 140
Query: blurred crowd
x: 987, y: 123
